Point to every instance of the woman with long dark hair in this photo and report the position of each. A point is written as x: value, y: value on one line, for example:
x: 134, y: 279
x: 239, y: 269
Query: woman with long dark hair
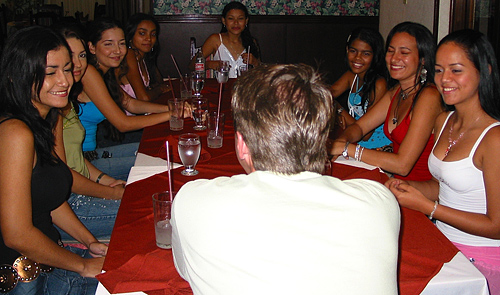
x: 95, y: 196
x: 103, y: 99
x: 464, y: 195
x: 35, y: 81
x: 407, y: 110
x: 366, y: 81
x: 233, y: 41
x: 143, y: 80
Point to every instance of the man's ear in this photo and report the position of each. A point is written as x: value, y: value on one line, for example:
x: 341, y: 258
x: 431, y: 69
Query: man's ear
x: 243, y: 153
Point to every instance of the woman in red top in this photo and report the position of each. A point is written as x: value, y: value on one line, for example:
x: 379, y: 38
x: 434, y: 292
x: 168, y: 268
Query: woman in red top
x: 408, y: 109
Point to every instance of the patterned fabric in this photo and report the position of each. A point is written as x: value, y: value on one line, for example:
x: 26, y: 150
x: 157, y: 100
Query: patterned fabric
x: 271, y: 7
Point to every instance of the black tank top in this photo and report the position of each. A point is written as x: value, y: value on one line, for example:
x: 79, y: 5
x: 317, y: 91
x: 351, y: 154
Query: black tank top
x: 50, y: 187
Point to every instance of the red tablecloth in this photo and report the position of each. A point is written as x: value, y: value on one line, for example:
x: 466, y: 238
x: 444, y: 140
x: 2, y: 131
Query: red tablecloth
x: 135, y: 263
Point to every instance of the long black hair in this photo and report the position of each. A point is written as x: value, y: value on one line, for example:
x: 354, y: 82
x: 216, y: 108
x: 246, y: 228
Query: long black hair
x: 377, y: 67
x: 73, y: 30
x: 130, y: 30
x: 95, y: 29
x: 23, y: 65
x: 426, y: 45
x: 246, y: 38
x: 480, y: 52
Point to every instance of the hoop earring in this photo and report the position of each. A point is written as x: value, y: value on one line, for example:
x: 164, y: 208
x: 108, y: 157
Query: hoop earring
x: 423, y: 76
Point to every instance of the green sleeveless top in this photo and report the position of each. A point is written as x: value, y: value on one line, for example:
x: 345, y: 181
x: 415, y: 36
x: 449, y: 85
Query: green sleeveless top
x: 73, y: 135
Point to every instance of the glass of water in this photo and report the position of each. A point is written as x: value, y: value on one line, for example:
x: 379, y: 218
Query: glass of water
x: 197, y: 82
x: 189, y: 151
x: 200, y: 113
x: 222, y: 72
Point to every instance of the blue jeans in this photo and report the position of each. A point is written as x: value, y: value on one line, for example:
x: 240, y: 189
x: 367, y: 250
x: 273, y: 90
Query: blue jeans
x: 59, y: 282
x: 97, y: 214
x: 122, y: 159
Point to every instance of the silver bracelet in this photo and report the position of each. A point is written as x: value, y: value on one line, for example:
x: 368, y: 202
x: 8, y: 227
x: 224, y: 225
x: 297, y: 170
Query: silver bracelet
x: 356, y: 153
x: 433, y: 210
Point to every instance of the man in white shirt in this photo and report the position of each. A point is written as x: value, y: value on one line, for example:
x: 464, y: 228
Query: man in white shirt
x: 284, y: 228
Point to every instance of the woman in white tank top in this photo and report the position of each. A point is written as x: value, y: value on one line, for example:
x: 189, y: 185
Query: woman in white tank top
x: 234, y: 43
x: 464, y: 196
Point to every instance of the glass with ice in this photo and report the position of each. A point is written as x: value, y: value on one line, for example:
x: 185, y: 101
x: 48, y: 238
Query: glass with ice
x: 215, y: 130
x: 222, y: 72
x: 189, y: 148
x: 162, y: 208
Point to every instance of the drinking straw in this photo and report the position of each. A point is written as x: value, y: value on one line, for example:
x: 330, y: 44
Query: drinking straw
x: 169, y: 175
x: 248, y: 58
x: 179, y: 71
x: 172, y: 87
x: 218, y: 110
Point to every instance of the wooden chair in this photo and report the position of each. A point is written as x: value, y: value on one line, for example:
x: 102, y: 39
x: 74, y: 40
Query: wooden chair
x: 47, y: 14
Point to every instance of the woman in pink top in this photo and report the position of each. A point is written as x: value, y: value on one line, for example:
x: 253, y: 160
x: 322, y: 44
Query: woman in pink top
x: 408, y: 109
x: 143, y: 80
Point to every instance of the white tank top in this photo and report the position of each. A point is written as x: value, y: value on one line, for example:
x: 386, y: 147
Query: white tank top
x: 224, y: 54
x: 461, y: 187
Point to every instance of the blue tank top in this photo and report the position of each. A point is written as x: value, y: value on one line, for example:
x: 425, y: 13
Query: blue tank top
x: 90, y: 116
x: 356, y: 110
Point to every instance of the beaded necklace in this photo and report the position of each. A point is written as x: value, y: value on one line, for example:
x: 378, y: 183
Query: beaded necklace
x: 452, y: 143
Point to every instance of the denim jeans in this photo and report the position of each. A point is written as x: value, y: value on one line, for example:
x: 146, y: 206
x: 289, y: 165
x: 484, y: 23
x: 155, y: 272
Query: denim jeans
x: 97, y: 214
x: 121, y: 160
x: 59, y: 282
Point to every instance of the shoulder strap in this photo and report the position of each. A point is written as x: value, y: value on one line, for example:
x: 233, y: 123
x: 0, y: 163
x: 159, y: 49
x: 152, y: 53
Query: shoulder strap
x: 6, y: 119
x: 478, y: 141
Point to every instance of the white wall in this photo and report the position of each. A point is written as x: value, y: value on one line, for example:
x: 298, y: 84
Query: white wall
x: 393, y: 12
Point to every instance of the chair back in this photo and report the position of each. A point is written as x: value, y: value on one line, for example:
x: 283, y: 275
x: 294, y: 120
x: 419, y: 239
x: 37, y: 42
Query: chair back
x: 99, y: 10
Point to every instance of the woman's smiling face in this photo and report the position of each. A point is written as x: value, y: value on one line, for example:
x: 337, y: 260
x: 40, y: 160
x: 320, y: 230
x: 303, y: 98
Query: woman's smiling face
x: 110, y: 50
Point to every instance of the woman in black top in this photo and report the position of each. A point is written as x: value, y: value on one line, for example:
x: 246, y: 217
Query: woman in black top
x: 35, y: 81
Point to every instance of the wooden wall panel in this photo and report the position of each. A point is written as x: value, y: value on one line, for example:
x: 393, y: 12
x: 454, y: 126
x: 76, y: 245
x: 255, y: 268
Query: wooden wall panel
x: 317, y: 41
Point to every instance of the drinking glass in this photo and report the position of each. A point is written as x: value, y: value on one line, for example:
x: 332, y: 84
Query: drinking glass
x: 189, y: 151
x: 197, y: 82
x: 222, y: 72
x: 200, y: 112
x: 162, y: 206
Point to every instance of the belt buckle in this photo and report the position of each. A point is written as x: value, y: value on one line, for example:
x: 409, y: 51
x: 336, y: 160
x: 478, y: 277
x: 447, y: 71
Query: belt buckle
x: 27, y: 269
x: 8, y: 278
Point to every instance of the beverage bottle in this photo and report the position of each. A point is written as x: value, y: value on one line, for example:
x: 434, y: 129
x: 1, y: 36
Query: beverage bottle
x: 199, y: 65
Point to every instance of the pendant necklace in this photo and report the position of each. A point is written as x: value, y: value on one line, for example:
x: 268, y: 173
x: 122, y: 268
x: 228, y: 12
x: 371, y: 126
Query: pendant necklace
x: 403, y: 95
x: 452, y: 143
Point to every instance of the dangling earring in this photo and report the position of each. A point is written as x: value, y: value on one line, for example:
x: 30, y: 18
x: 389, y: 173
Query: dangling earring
x: 423, y: 76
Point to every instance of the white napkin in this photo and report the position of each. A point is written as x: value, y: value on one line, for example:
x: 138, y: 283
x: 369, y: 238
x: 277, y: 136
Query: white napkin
x: 354, y: 163
x: 142, y: 172
x: 146, y: 166
x: 146, y: 160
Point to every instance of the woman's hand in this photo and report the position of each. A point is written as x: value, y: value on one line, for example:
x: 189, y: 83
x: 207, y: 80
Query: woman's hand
x: 98, y: 249
x: 250, y: 59
x: 92, y: 267
x: 188, y: 110
x: 410, y: 197
x: 337, y: 147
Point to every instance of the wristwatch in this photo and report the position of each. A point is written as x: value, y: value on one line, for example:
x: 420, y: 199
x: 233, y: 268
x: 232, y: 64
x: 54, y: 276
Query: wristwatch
x: 345, y: 153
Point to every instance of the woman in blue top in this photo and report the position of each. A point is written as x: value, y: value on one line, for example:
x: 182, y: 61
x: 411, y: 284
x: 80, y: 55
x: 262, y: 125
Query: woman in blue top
x: 102, y: 99
x: 366, y: 81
